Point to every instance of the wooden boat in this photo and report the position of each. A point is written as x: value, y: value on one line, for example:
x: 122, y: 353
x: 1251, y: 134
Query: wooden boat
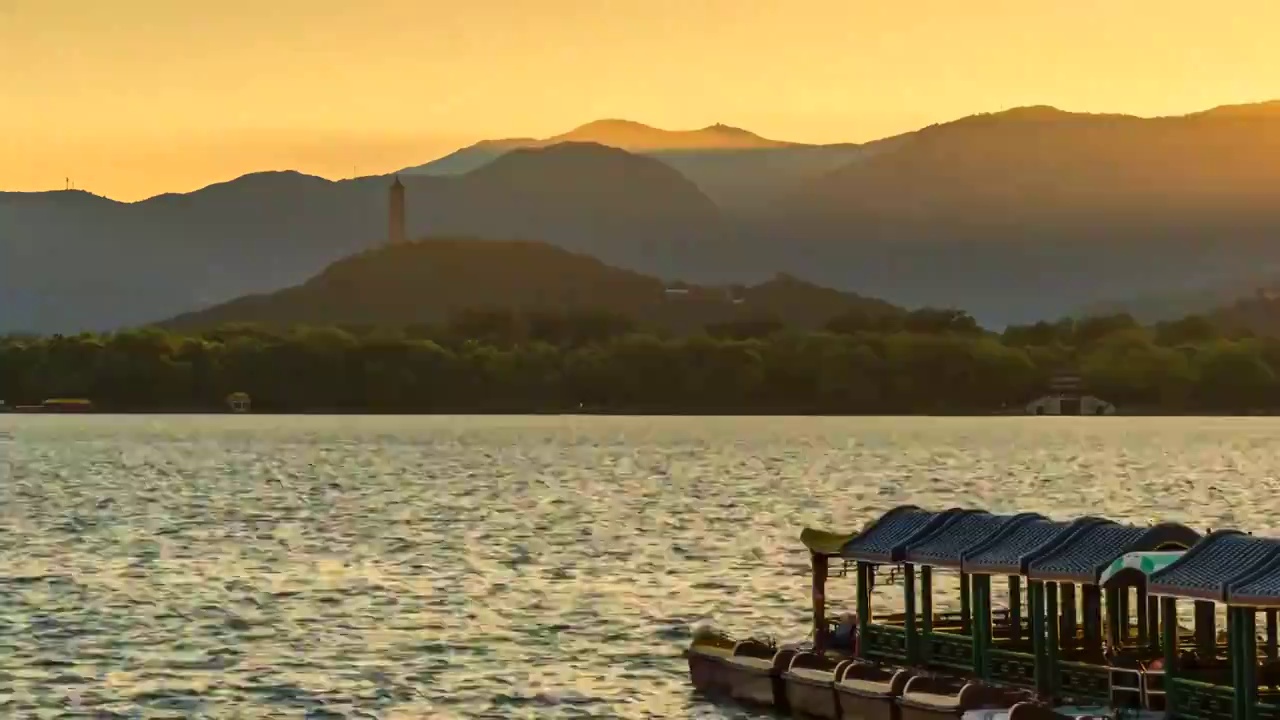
x: 1083, y: 657
x: 1094, y: 634
x: 881, y: 674
x: 929, y: 672
x: 748, y: 671
x: 811, y: 684
x: 1210, y: 678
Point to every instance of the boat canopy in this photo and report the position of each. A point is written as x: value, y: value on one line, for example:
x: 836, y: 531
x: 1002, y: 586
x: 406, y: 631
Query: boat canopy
x: 1084, y: 557
x: 946, y: 545
x: 886, y: 539
x: 1206, y: 571
x: 1142, y: 564
x: 1010, y: 554
x: 1172, y: 559
x: 823, y: 542
x: 1260, y: 588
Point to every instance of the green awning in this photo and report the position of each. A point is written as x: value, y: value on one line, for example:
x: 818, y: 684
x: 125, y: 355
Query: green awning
x: 822, y: 542
x: 1143, y: 562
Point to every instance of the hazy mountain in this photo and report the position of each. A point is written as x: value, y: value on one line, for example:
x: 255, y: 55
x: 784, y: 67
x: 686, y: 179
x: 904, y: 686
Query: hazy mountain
x: 72, y: 261
x: 1033, y: 212
x: 626, y: 135
x: 1156, y: 307
x: 1015, y: 216
x: 431, y: 281
x: 1258, y: 313
x: 738, y: 169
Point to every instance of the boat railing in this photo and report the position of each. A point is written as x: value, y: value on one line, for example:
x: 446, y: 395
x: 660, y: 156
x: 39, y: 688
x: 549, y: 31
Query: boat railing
x: 1083, y: 682
x: 1196, y: 700
x: 1153, y: 689
x: 1128, y: 688
x: 1012, y: 668
x: 1268, y: 710
x: 884, y: 642
x: 948, y: 651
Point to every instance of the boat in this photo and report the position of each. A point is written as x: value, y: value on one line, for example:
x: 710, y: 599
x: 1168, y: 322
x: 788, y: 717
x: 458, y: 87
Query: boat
x: 1090, y: 628
x: 1220, y: 676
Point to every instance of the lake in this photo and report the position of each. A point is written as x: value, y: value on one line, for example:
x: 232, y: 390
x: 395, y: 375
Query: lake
x: 499, y: 567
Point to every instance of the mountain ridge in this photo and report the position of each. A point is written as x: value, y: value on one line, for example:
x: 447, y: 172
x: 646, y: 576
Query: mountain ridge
x: 1016, y: 216
x: 272, y: 230
x: 432, y: 280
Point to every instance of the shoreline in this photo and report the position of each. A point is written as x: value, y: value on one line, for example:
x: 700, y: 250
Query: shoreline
x: 636, y: 413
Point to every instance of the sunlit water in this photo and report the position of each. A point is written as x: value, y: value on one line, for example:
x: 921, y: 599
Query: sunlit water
x: 498, y: 567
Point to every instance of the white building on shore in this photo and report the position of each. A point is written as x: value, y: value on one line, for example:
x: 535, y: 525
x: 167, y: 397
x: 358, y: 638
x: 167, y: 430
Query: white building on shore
x: 1066, y: 397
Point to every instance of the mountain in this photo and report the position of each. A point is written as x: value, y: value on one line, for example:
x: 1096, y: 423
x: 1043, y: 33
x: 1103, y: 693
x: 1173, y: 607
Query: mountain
x: 626, y: 135
x: 1030, y: 213
x: 71, y: 261
x: 1258, y: 313
x: 433, y: 280
x: 1198, y: 300
x: 1015, y: 216
x: 738, y: 169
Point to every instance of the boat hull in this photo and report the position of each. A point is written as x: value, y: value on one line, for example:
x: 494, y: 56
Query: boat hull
x: 869, y: 692
x: 750, y: 673
x: 810, y: 685
x: 926, y: 698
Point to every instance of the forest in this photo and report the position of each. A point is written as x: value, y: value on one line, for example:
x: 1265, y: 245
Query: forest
x: 930, y: 361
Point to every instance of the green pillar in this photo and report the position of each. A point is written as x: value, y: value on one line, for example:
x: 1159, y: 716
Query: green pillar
x: 926, y: 612
x: 1113, y: 617
x: 1205, y: 628
x: 1271, y: 635
x: 966, y: 605
x: 1143, y: 624
x: 1153, y: 622
x: 1169, y: 628
x: 1015, y: 608
x: 1052, y: 622
x: 1035, y: 592
x: 1235, y: 651
x: 863, y: 606
x: 909, y: 602
x: 1091, y: 600
x: 1122, y: 601
x: 1248, y: 688
x: 981, y: 624
x: 1070, y: 620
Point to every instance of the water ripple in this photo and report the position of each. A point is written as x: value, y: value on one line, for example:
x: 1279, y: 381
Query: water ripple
x: 499, y: 567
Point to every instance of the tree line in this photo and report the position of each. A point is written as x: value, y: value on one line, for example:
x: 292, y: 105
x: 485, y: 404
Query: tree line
x: 925, y: 361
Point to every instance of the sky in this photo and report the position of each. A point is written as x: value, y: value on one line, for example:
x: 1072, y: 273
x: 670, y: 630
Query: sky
x: 131, y: 98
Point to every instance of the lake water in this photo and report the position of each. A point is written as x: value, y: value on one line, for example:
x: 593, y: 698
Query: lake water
x: 498, y: 567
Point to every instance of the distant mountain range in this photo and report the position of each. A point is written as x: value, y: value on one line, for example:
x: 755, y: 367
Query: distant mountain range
x: 433, y: 281
x: 1015, y: 216
x: 736, y: 168
x: 72, y: 261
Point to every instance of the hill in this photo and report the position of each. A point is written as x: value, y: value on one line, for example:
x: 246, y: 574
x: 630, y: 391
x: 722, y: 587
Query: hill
x: 434, y: 280
x: 738, y: 169
x: 1258, y: 314
x: 1033, y: 212
x: 626, y: 135
x: 1016, y: 216
x: 71, y: 261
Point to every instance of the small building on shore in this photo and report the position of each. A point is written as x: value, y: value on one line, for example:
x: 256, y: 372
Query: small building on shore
x: 1067, y: 396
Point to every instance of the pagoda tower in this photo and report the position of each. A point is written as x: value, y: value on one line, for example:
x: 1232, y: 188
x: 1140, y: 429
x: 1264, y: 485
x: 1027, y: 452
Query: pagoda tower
x: 395, y: 213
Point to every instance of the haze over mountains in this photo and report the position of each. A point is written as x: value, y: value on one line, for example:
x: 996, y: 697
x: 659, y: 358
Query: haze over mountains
x: 1015, y: 216
x: 736, y: 168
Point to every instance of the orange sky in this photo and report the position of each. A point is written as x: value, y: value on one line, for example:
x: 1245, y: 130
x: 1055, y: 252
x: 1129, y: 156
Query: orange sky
x: 136, y: 97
